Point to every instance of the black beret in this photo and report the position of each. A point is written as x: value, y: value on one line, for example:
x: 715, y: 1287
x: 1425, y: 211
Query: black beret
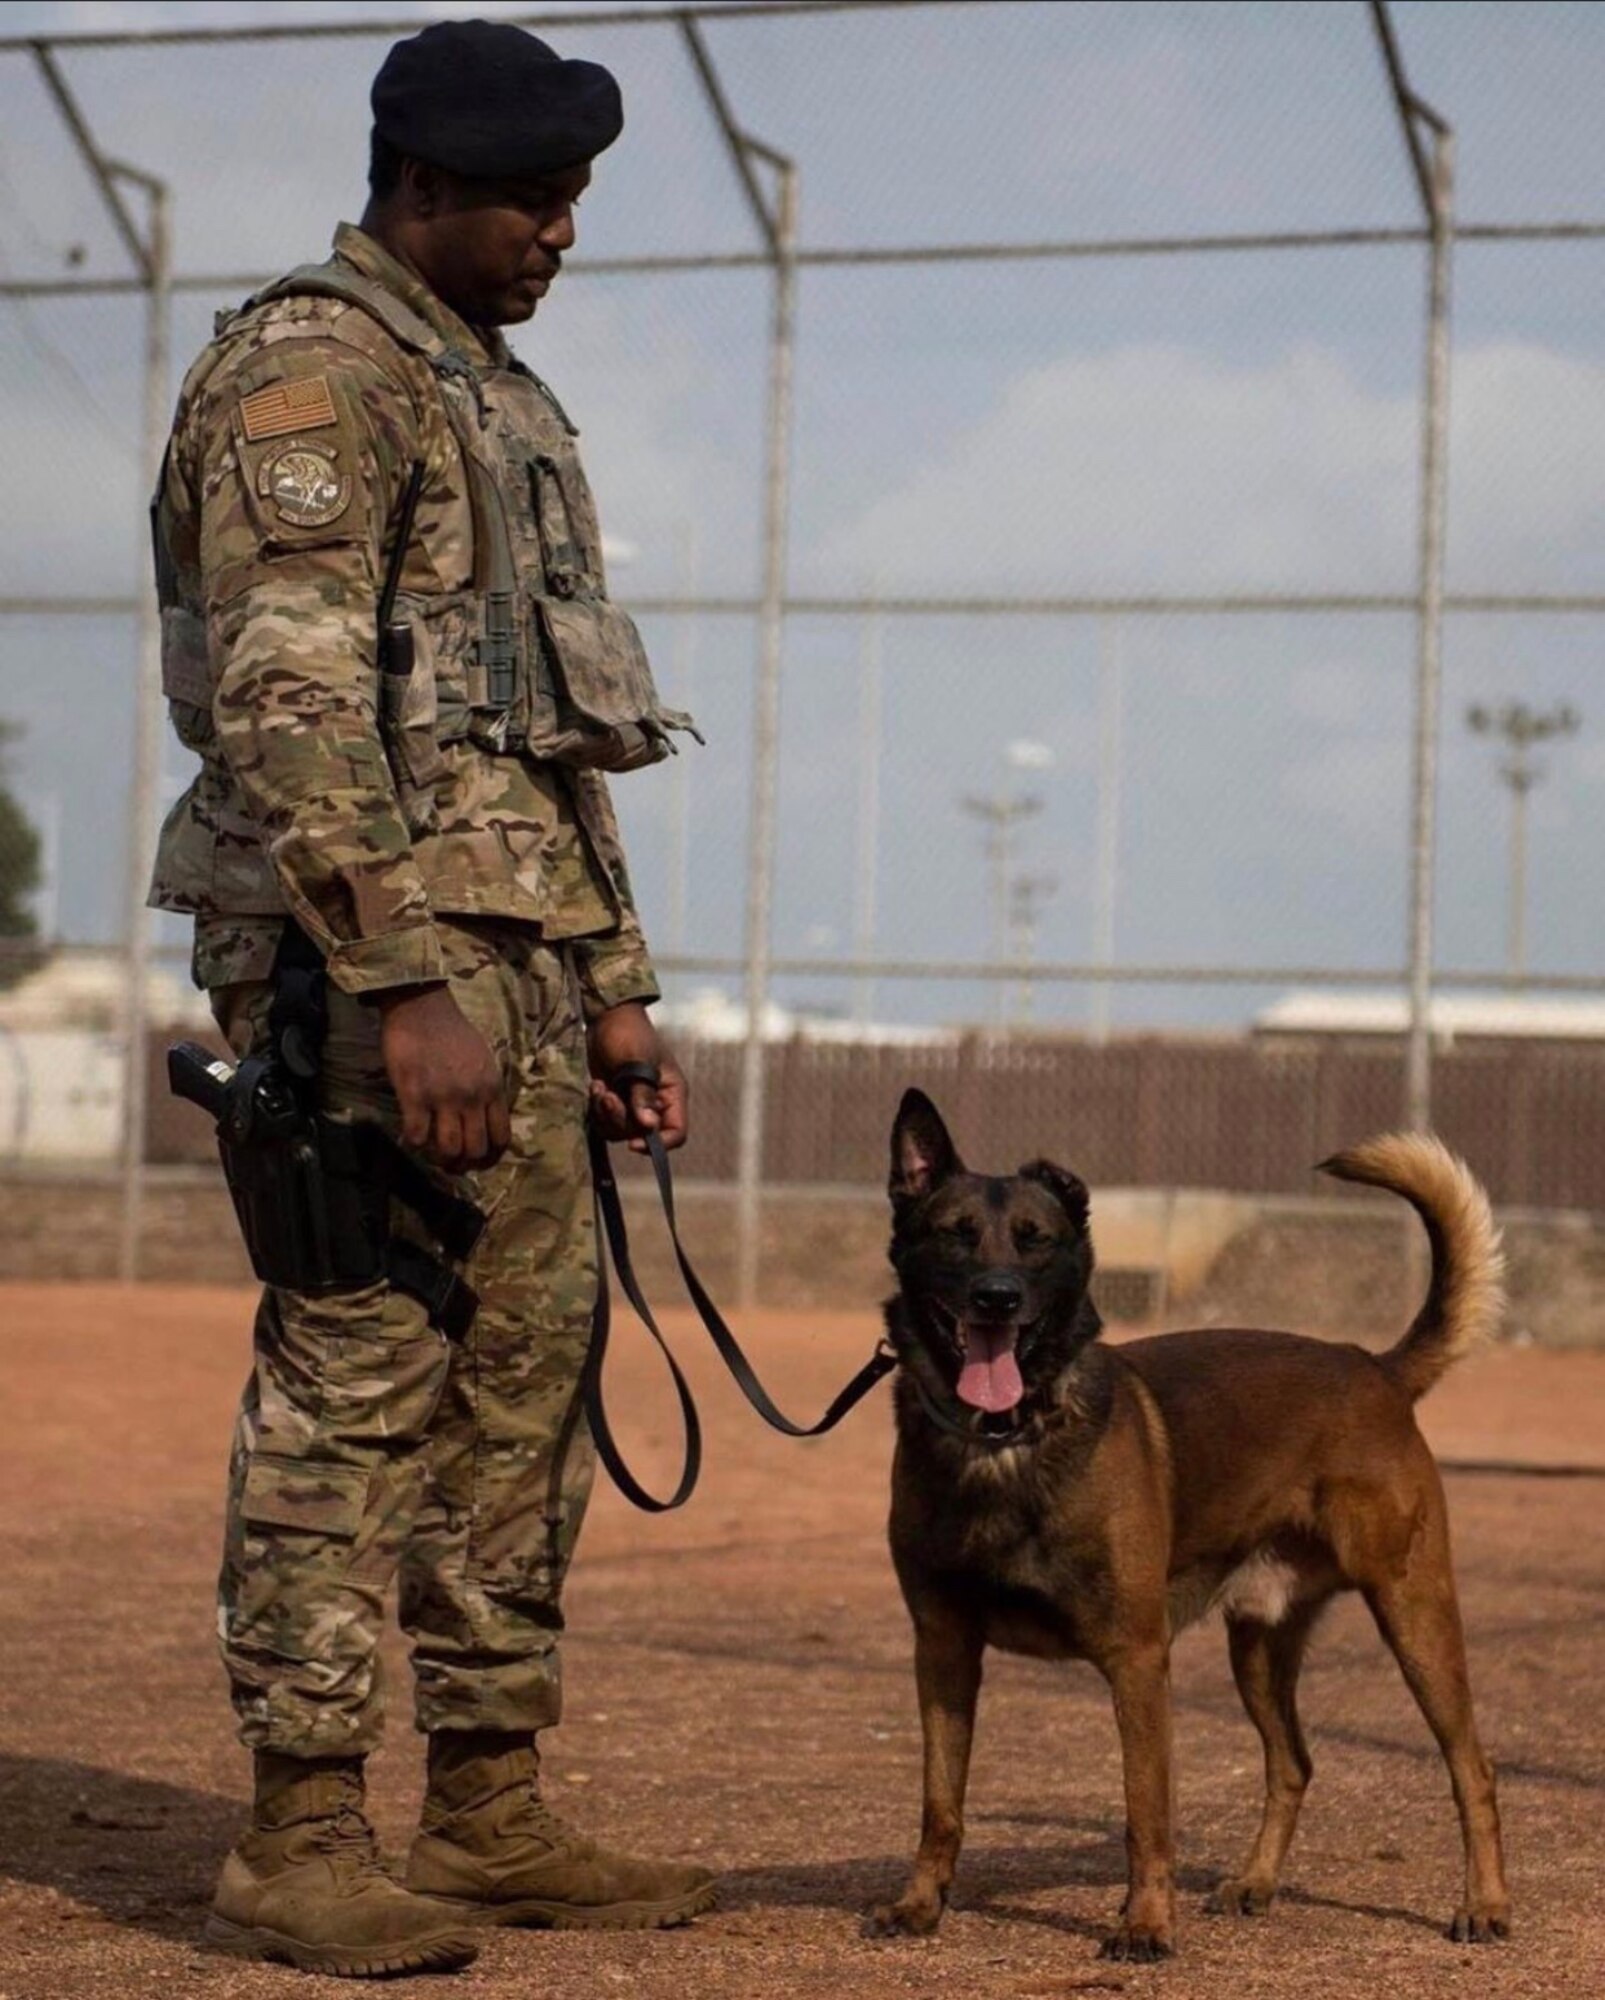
x: 492, y: 102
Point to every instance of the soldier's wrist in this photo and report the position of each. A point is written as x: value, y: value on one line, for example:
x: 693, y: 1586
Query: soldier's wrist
x: 424, y: 997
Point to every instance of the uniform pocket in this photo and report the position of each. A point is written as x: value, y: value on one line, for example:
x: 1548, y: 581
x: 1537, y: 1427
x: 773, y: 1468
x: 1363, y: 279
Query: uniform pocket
x: 315, y: 1496
x: 443, y: 636
x: 409, y: 708
x: 380, y: 1393
x: 187, y: 676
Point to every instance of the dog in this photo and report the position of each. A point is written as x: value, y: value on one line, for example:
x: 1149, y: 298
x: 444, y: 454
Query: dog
x: 1061, y: 1498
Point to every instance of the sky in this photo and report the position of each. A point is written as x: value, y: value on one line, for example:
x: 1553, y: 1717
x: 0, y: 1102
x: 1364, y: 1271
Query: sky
x: 1191, y: 424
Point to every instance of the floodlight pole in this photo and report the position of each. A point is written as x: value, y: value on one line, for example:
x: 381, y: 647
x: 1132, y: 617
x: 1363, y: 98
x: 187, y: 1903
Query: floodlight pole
x: 775, y: 212
x: 1520, y: 728
x: 150, y: 249
x: 1433, y: 161
x: 1111, y: 678
x: 867, y: 865
x: 999, y: 814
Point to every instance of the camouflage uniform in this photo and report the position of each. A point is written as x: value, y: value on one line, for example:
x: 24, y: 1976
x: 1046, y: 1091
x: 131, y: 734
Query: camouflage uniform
x: 417, y: 833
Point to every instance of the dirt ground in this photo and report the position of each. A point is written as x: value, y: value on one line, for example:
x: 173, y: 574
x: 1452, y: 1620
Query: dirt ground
x: 739, y: 1688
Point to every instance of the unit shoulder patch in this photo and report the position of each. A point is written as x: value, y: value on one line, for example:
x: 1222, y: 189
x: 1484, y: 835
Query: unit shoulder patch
x: 282, y: 407
x: 305, y: 484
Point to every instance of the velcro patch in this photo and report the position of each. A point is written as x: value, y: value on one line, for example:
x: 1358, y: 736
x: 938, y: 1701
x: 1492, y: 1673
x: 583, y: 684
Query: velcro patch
x: 288, y: 406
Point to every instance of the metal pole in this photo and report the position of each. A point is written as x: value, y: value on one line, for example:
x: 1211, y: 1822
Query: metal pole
x: 1429, y: 646
x: 766, y: 742
x: 1028, y: 894
x: 1521, y: 783
x: 999, y: 846
x: 1023, y: 947
x: 146, y: 774
x: 869, y: 803
x: 589, y: 15
x: 680, y: 776
x: 1111, y: 691
x: 1587, y: 604
x: 104, y: 172
x: 863, y: 257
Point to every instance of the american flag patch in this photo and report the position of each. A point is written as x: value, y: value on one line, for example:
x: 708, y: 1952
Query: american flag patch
x: 288, y: 406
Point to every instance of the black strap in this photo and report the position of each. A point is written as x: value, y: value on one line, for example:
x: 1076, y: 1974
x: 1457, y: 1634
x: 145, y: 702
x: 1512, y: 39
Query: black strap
x: 610, y: 1223
x: 610, y: 1209
x: 298, y: 1015
x: 398, y: 548
x: 456, y: 1221
x: 449, y: 1301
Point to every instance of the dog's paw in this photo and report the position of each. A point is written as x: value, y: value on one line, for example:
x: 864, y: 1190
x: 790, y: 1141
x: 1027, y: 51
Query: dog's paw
x: 1486, y: 1925
x: 1240, y: 1896
x: 912, y: 1917
x: 1137, y: 1944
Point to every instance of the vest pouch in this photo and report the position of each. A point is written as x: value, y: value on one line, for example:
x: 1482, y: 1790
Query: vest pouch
x: 187, y: 676
x: 626, y: 746
x: 608, y: 715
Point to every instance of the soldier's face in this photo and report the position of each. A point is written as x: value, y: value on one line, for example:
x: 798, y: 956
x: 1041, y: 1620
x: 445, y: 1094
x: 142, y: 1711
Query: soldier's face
x: 491, y: 249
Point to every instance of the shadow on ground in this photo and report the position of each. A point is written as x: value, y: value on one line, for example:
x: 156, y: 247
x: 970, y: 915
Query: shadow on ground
x: 138, y: 1851
x: 992, y: 1880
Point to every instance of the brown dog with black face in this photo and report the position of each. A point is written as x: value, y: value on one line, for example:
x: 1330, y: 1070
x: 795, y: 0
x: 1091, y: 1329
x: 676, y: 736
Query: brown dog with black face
x: 1057, y: 1497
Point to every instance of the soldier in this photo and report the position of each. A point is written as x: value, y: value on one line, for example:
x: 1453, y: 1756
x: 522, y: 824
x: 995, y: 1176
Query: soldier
x: 430, y: 821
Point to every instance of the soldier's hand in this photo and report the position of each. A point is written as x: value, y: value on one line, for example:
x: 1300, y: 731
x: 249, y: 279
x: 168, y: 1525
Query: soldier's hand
x: 622, y: 1035
x: 446, y: 1079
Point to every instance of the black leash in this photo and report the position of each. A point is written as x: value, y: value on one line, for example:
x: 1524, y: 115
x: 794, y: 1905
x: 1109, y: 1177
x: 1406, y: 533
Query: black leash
x: 610, y: 1213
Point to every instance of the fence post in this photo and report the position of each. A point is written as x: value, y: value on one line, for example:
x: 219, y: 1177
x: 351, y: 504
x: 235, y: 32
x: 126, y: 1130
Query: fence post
x: 766, y: 744
x: 145, y: 778
x: 1429, y: 647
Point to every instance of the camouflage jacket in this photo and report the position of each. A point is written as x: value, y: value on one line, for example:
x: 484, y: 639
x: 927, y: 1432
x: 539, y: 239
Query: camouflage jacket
x: 295, y: 435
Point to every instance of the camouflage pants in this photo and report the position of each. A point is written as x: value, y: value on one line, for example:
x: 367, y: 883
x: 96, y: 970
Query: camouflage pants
x: 368, y: 1447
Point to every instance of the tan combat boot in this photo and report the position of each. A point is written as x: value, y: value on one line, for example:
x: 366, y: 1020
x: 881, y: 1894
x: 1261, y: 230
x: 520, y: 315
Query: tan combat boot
x: 304, y: 1886
x: 488, y: 1845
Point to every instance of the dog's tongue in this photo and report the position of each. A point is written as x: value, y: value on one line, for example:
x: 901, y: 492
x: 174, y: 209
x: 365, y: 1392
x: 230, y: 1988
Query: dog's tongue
x: 990, y: 1377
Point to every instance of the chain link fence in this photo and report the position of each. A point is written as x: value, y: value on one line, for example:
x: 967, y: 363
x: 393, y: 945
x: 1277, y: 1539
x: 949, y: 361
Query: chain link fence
x: 1038, y: 526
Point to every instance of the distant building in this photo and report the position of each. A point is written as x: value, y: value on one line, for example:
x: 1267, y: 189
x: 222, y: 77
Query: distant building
x: 709, y: 1014
x: 1451, y: 1017
x: 61, y: 1054
x: 85, y: 988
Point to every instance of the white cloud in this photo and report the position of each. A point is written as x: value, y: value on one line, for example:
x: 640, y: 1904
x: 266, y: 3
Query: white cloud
x: 1161, y: 468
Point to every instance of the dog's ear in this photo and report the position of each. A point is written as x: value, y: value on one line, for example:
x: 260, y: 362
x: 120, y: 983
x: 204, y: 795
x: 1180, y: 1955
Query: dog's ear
x: 1068, y: 1189
x: 923, y: 1155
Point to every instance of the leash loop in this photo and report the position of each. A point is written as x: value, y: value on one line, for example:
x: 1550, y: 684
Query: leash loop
x: 611, y: 1223
x: 610, y: 1226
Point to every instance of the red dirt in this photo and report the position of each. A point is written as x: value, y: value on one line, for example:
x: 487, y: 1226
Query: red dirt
x: 739, y: 1688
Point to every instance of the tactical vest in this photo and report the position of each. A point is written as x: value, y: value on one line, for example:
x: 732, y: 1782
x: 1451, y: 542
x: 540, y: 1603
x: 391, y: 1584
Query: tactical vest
x: 532, y: 657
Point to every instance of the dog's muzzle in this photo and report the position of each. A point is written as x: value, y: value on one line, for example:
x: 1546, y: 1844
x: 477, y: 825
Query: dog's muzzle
x: 988, y: 1334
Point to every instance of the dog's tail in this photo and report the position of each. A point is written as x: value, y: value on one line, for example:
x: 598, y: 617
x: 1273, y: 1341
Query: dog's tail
x: 1466, y: 1297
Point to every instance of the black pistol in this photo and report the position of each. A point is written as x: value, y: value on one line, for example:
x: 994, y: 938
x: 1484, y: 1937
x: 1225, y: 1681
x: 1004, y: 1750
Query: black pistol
x: 313, y: 1196
x: 199, y: 1077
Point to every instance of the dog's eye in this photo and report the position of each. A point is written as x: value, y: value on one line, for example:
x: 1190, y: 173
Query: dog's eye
x: 1027, y: 1236
x: 959, y: 1235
